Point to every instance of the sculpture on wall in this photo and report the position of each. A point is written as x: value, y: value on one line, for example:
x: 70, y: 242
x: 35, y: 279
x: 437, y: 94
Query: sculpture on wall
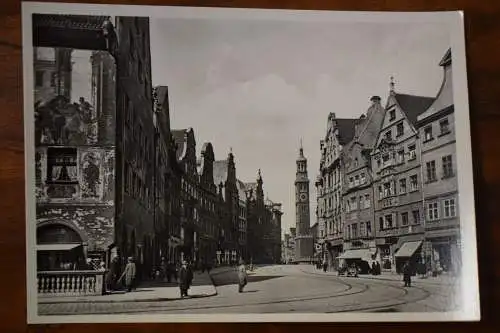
x: 61, y: 122
x: 109, y: 175
x: 91, y: 175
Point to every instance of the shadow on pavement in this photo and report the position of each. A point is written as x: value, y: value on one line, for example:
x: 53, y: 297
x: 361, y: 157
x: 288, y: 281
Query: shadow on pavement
x: 233, y: 279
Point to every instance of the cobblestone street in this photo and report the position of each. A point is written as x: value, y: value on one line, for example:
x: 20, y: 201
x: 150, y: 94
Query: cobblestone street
x: 284, y: 289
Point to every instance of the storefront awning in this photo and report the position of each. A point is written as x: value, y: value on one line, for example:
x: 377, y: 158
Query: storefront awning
x: 364, y: 254
x: 57, y: 247
x: 408, y: 249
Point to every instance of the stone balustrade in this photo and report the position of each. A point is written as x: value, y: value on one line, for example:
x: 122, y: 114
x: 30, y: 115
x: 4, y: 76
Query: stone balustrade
x: 70, y: 283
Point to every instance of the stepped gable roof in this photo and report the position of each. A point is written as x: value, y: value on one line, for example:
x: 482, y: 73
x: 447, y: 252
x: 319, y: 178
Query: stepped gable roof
x: 346, y: 128
x: 241, y: 190
x: 161, y: 92
x: 220, y: 172
x: 413, y: 105
x: 180, y: 140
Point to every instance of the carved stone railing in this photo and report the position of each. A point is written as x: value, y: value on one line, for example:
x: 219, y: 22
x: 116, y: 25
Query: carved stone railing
x: 70, y: 283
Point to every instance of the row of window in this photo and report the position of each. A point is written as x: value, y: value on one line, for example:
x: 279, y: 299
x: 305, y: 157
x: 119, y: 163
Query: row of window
x: 352, y: 203
x: 388, y: 189
x: 335, y: 227
x: 389, y: 221
x: 400, y: 129
x: 365, y: 230
x: 197, y: 194
x: 446, y: 208
x: 446, y: 166
x: 331, y: 179
x: 444, y: 128
x: 357, y: 180
x: 397, y: 157
x: 136, y: 187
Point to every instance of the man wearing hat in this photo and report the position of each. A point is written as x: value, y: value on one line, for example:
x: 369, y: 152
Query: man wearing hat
x: 185, y: 278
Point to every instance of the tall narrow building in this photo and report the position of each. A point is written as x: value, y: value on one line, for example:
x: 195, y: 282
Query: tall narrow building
x: 303, y: 240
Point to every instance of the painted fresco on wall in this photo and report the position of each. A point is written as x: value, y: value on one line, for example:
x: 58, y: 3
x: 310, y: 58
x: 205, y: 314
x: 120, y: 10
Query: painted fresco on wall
x: 70, y: 174
x: 109, y: 176
x: 60, y: 122
x: 91, y: 175
x: 40, y: 172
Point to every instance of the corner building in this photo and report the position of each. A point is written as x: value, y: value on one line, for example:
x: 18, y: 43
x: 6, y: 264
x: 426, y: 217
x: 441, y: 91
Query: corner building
x: 397, y: 181
x: 440, y: 189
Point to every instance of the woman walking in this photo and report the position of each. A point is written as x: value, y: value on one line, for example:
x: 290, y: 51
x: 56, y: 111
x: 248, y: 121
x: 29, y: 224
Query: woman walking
x: 242, y: 276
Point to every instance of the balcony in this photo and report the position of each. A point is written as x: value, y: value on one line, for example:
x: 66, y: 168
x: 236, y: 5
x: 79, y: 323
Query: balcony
x: 70, y: 283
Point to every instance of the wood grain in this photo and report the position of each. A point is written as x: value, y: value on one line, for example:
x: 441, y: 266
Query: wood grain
x: 482, y: 19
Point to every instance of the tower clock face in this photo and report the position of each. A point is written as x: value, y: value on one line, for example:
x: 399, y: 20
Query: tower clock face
x: 303, y: 197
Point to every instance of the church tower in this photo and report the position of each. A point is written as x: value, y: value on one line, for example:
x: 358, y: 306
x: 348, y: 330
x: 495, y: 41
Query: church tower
x: 303, y: 240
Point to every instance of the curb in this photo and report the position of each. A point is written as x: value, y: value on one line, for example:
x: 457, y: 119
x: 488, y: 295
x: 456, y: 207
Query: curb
x: 369, y: 277
x: 158, y: 299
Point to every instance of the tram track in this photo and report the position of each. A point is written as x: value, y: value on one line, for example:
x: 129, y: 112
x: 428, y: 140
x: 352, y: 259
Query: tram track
x: 351, y: 288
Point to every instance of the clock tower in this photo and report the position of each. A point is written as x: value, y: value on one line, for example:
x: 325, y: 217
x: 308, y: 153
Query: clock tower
x: 303, y: 240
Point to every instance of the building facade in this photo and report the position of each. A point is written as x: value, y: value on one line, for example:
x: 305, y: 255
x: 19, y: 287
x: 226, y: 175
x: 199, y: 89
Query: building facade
x: 329, y: 184
x: 167, y: 183
x: 74, y: 163
x: 357, y: 188
x: 190, y: 210
x: 74, y: 154
x: 136, y: 135
x: 303, y: 241
x: 242, y: 220
x: 436, y: 128
x: 397, y: 180
x: 225, y: 179
x: 208, y: 199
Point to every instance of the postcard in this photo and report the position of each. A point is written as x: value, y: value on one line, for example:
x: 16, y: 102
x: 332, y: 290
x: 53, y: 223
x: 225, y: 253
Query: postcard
x: 246, y: 165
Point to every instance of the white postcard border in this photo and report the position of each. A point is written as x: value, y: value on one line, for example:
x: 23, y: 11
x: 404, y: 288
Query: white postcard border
x: 470, y: 288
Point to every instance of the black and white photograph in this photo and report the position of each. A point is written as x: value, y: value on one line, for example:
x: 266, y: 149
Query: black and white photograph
x: 216, y: 164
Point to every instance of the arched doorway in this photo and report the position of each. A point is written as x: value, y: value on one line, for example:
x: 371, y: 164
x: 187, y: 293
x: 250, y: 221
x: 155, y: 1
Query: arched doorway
x: 59, y: 247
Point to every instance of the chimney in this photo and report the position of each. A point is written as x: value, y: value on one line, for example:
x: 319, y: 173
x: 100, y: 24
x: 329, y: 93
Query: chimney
x: 375, y: 100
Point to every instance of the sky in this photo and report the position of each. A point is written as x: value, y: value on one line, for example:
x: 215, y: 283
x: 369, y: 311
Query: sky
x: 258, y: 87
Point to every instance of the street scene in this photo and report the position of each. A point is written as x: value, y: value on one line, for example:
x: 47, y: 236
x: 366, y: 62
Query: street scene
x: 175, y: 173
x: 278, y: 289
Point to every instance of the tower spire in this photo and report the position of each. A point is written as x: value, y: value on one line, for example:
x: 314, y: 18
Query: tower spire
x: 301, y: 149
x: 392, y: 85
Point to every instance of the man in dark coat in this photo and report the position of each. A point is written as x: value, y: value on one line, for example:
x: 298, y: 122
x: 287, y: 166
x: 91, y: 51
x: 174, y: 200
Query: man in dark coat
x: 185, y: 278
x: 113, y: 274
x: 407, y: 274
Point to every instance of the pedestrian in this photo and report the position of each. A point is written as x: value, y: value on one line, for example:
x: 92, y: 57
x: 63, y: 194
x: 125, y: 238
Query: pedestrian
x: 129, y: 274
x: 325, y: 266
x: 185, y: 278
x: 242, y: 276
x: 112, y: 275
x: 407, y: 274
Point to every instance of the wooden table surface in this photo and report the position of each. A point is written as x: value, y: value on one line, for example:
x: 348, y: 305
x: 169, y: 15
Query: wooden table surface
x: 482, y: 23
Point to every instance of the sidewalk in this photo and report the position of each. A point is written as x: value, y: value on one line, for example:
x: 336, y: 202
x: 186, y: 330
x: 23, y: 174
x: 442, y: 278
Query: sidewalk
x: 146, y: 292
x: 391, y: 276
